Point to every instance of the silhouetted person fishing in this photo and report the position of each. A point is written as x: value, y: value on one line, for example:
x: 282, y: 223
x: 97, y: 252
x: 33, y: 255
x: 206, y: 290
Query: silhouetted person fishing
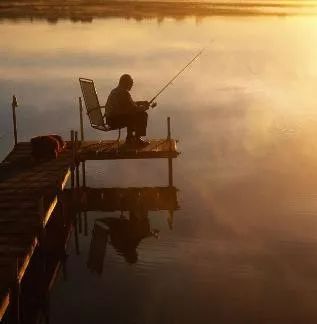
x: 122, y: 111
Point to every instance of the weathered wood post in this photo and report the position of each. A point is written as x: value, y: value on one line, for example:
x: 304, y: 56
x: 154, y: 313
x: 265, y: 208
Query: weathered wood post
x: 83, y: 165
x: 81, y: 119
x: 72, y: 181
x: 73, y: 199
x: 82, y: 138
x: 77, y: 183
x: 76, y: 234
x: 83, y: 170
x: 84, y: 193
x: 76, y: 163
x: 170, y: 160
x: 85, y: 224
x: 170, y: 218
x: 14, y: 106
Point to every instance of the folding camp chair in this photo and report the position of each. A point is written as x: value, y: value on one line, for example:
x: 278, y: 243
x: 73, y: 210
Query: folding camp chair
x: 93, y: 107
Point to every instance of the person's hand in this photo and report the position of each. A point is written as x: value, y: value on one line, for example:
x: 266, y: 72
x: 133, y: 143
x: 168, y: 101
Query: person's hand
x: 144, y: 105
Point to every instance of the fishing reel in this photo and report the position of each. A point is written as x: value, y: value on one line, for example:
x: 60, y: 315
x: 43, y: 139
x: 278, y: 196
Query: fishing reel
x: 153, y: 104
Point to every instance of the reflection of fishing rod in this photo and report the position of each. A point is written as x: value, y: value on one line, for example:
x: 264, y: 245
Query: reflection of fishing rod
x: 152, y: 103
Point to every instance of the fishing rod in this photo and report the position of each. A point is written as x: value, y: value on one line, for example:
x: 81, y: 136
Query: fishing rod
x: 152, y: 103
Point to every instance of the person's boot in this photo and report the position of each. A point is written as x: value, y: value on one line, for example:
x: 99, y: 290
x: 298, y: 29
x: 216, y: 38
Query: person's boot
x: 130, y: 140
x: 140, y: 142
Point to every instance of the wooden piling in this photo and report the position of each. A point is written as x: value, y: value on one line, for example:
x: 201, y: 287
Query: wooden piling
x: 84, y: 188
x: 76, y: 163
x: 83, y: 171
x: 74, y: 136
x: 170, y: 160
x: 77, y: 183
x: 14, y: 106
x: 83, y: 166
x: 80, y: 222
x: 170, y: 219
x: 73, y: 158
x: 82, y: 138
x: 81, y: 119
x: 76, y: 234
x: 85, y: 224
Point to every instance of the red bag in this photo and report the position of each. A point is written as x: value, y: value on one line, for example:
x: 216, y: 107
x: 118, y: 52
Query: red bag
x: 47, y: 147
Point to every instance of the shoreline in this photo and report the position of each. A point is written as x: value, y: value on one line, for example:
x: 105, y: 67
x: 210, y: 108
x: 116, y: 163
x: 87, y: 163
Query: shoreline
x: 82, y: 10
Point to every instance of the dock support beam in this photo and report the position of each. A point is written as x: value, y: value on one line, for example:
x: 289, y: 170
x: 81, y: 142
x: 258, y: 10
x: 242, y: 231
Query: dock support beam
x: 81, y: 119
x: 77, y: 183
x: 170, y: 219
x: 82, y: 138
x: 170, y: 160
x: 76, y: 164
x: 14, y: 106
x: 73, y: 191
x: 83, y: 165
x: 72, y: 137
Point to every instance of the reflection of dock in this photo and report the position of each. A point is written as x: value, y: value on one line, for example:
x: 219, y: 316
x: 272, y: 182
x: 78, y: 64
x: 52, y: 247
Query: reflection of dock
x: 29, y: 194
x: 123, y: 199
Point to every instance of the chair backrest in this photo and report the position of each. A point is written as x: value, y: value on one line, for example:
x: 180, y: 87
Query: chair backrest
x: 92, y: 102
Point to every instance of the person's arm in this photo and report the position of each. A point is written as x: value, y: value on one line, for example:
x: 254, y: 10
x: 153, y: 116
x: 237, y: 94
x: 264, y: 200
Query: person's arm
x: 143, y: 105
x: 132, y: 106
x: 126, y: 103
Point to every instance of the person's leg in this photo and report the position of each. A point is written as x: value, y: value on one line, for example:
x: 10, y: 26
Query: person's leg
x: 121, y: 121
x: 140, y: 123
x: 130, y: 128
x: 129, y: 132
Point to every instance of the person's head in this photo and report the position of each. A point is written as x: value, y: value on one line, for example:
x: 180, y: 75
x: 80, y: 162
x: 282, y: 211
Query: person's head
x: 126, y: 81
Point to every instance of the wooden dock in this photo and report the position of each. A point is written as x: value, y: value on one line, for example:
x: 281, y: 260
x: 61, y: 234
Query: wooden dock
x: 113, y: 150
x: 29, y: 192
x: 28, y: 195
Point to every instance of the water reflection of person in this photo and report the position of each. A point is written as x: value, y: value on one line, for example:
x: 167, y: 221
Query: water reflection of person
x: 122, y: 111
x: 124, y: 234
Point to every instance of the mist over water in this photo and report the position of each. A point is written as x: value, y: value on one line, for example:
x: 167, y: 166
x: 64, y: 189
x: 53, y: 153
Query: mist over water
x: 243, y: 246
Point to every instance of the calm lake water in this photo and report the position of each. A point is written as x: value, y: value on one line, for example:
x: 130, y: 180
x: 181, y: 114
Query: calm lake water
x: 243, y: 247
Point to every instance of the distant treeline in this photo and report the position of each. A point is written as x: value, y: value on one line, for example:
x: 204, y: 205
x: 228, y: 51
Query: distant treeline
x: 86, y: 10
